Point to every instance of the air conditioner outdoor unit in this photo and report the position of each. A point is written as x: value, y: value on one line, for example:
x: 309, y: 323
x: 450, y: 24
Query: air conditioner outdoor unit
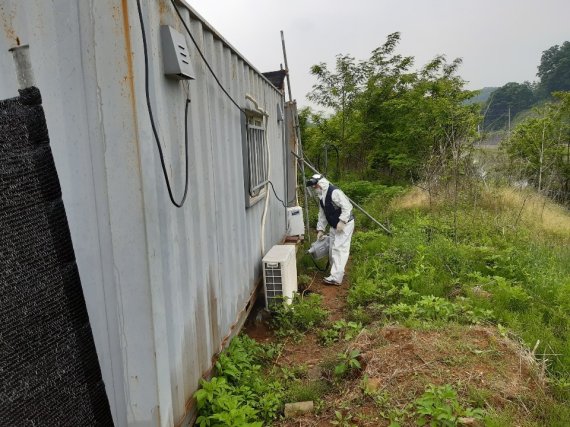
x: 295, y: 223
x: 280, y: 274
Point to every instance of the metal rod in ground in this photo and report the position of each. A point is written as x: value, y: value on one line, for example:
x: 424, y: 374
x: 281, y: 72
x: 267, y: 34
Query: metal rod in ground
x: 360, y: 208
x: 286, y: 66
x: 23, y: 64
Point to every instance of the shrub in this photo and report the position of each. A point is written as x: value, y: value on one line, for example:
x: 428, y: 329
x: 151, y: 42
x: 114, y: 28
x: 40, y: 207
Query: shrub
x: 341, y: 329
x: 303, y: 314
x: 239, y: 395
x: 439, y: 406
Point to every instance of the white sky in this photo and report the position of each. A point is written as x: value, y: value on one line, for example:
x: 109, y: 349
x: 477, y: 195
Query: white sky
x: 499, y: 40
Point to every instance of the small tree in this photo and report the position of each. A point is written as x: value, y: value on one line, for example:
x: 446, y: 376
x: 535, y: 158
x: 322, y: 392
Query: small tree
x: 338, y: 90
x: 554, y: 70
x: 539, y: 147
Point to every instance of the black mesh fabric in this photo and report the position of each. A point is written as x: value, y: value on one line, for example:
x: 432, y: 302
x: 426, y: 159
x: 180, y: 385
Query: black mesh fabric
x: 49, y: 371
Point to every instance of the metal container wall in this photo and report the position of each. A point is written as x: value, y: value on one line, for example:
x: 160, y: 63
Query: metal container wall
x: 164, y: 286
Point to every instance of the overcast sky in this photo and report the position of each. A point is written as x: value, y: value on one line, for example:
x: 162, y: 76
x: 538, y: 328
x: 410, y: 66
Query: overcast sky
x: 499, y: 40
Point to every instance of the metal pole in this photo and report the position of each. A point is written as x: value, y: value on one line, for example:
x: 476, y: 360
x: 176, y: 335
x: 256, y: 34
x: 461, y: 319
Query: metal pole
x: 286, y: 66
x: 360, y: 208
x: 299, y: 142
x: 23, y: 64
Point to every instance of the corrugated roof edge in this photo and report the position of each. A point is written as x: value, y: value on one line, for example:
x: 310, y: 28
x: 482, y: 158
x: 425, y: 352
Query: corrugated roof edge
x: 223, y: 40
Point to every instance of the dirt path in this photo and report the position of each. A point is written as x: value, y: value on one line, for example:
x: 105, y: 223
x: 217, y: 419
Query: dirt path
x: 307, y: 351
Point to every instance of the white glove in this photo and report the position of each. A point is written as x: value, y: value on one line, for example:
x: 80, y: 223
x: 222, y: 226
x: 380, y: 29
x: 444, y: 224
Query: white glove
x: 320, y: 235
x: 340, y: 226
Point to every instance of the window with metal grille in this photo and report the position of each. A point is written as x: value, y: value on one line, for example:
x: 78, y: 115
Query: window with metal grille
x: 257, y: 161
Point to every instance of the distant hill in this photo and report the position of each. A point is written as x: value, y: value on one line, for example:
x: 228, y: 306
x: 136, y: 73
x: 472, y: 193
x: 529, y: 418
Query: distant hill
x: 484, y: 94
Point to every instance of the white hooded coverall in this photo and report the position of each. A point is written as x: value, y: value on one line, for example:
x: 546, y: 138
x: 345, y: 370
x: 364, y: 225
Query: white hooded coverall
x: 339, y: 240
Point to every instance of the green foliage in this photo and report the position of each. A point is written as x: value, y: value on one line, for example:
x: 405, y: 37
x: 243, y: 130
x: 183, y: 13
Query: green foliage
x: 348, y: 363
x: 554, y: 69
x: 239, y: 395
x: 428, y: 308
x: 439, y: 406
x: 342, y: 420
x: 362, y: 191
x: 341, y: 329
x: 509, y: 99
x: 303, y: 280
x: 483, y: 274
x: 436, y: 309
x: 539, y: 146
x: 303, y: 314
x: 387, y: 119
x: 302, y: 391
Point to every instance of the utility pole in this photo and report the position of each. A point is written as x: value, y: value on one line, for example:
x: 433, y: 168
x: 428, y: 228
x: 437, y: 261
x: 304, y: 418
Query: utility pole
x: 299, y: 142
x: 509, y: 131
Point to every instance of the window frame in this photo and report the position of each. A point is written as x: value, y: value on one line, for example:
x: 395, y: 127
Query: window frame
x: 255, y: 156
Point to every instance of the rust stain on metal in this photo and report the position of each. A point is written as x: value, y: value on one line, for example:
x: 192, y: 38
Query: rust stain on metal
x: 7, y: 17
x: 162, y: 8
x: 190, y: 405
x: 213, y: 306
x: 128, y: 79
x: 168, y: 16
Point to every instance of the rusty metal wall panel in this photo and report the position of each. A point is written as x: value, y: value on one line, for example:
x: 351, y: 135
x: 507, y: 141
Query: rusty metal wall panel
x: 164, y: 286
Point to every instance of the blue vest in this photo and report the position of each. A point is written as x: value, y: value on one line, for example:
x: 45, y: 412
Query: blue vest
x: 331, y: 211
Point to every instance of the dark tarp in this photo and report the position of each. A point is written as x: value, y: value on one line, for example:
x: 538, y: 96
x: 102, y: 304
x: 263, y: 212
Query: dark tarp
x: 49, y: 371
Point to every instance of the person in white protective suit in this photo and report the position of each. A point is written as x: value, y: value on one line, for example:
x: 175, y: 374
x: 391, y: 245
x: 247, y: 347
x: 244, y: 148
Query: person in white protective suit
x: 335, y: 210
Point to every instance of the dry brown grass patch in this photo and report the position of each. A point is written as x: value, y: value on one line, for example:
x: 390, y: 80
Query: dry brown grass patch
x: 530, y: 208
x: 466, y: 356
x: 401, y: 362
x: 413, y: 199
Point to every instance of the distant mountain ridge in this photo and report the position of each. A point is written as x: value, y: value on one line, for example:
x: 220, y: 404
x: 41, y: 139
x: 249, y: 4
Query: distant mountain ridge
x: 483, y: 96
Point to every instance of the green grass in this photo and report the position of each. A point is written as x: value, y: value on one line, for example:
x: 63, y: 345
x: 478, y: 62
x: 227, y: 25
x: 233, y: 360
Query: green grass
x: 469, y: 268
x: 487, y: 261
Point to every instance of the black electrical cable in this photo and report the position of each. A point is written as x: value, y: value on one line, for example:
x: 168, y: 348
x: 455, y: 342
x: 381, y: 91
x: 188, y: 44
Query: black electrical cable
x: 276, y: 196
x: 204, y: 58
x: 153, y: 125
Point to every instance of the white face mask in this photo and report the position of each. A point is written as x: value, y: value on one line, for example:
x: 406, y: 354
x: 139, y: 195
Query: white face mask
x: 315, y: 192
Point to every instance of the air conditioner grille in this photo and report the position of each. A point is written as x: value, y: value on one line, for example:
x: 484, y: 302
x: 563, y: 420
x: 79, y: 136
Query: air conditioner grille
x: 279, y: 275
x: 273, y: 282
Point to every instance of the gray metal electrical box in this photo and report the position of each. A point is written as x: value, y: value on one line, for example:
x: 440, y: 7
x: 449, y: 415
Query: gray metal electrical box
x: 175, y: 54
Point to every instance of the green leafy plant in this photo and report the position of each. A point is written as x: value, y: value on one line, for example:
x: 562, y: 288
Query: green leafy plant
x: 303, y: 280
x: 439, y: 406
x: 328, y: 336
x: 303, y: 314
x: 218, y: 405
x: 342, y: 420
x: 348, y: 363
x: 292, y: 373
x: 341, y: 329
x: 427, y: 308
x: 239, y: 394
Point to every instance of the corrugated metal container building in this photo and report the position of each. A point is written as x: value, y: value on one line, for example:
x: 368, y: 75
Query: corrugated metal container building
x: 164, y: 287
